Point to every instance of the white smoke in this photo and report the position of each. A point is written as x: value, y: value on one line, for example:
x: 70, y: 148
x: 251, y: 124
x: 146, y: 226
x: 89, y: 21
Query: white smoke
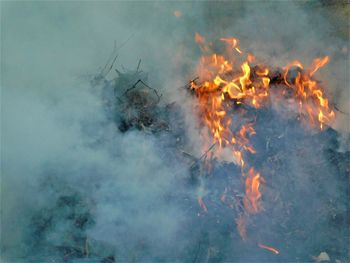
x: 54, y: 130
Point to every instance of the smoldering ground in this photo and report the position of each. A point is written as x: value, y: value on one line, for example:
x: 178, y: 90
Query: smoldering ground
x: 74, y: 188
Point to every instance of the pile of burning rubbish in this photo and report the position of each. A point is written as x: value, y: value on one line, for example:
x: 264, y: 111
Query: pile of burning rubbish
x: 248, y: 173
x: 175, y: 131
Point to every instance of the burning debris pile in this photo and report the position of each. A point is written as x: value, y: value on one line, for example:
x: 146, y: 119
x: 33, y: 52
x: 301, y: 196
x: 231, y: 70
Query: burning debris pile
x: 211, y: 150
x: 228, y: 90
x: 250, y: 178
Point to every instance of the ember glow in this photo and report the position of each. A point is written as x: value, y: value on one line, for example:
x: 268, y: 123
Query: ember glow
x: 177, y: 13
x: 273, y: 250
x: 202, y: 204
x: 252, y: 193
x: 229, y: 85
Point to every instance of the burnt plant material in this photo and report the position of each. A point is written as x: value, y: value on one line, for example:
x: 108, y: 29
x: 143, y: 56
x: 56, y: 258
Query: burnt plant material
x: 301, y: 215
x: 64, y: 224
x: 133, y: 104
x: 138, y: 108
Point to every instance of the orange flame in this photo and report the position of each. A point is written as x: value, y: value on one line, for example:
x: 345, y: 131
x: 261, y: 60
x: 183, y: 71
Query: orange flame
x: 318, y: 63
x: 252, y: 193
x: 230, y: 41
x: 241, y: 226
x: 225, y: 83
x: 177, y: 13
x: 199, y: 39
x: 202, y: 204
x: 273, y: 250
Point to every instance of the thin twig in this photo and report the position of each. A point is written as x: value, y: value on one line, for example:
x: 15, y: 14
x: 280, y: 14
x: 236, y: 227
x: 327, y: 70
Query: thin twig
x: 337, y: 109
x: 115, y: 49
x: 110, y: 57
x: 203, y: 155
x: 138, y: 66
x: 86, y: 249
x: 193, y: 80
x: 188, y: 155
x: 118, y: 72
x: 110, y: 68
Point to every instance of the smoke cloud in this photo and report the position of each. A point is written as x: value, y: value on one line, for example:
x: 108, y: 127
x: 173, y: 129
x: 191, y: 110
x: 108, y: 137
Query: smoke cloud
x: 71, y: 179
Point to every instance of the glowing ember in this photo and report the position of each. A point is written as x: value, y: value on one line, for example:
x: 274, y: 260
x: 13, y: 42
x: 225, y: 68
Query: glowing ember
x: 241, y: 226
x: 252, y: 193
x: 202, y: 204
x: 177, y: 13
x: 273, y: 250
x: 228, y: 81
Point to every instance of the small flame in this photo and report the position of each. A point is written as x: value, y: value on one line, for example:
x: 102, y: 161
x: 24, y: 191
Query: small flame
x: 273, y: 250
x: 199, y: 38
x: 318, y: 63
x: 241, y: 226
x: 177, y: 13
x: 202, y: 204
x: 250, y: 58
x: 252, y: 193
x: 232, y: 42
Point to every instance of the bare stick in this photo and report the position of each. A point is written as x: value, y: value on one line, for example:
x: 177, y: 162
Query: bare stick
x: 337, y: 109
x: 138, y: 66
x: 210, y: 148
x: 110, y: 68
x: 115, y: 49
x: 110, y: 57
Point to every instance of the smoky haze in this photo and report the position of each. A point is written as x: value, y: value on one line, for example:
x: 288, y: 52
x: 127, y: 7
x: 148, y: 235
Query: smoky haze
x: 56, y: 141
